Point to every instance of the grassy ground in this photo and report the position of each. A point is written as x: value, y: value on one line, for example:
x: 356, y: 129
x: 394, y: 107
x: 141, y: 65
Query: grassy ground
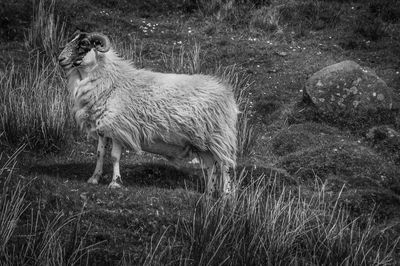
x: 310, y: 191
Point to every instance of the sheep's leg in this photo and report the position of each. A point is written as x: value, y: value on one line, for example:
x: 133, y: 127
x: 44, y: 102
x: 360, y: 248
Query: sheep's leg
x: 226, y: 180
x: 115, y: 157
x: 98, y: 171
x: 207, y: 161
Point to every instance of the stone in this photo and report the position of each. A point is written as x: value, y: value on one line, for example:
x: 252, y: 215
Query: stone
x: 347, y: 89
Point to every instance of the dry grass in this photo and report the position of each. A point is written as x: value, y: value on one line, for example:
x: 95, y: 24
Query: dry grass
x: 47, y: 32
x: 184, y: 61
x: 132, y: 50
x: 33, y: 104
x: 265, y: 225
x: 11, y: 202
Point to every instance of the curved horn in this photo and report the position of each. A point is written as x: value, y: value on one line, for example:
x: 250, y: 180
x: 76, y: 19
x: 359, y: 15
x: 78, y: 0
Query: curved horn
x: 100, y: 41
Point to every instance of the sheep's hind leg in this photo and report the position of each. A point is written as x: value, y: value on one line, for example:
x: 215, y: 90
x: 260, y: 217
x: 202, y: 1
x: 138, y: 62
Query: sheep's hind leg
x: 227, y: 188
x: 115, y: 156
x: 207, y: 161
x: 98, y: 171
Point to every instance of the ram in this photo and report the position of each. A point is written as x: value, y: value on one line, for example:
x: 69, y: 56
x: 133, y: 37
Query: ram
x: 173, y: 115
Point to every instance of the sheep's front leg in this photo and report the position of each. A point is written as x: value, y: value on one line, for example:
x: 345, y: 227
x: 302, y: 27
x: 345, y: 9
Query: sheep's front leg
x: 98, y: 171
x: 115, y: 157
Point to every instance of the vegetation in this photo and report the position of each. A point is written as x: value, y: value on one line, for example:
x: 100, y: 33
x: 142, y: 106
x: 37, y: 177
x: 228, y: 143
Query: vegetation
x: 265, y: 225
x: 306, y: 193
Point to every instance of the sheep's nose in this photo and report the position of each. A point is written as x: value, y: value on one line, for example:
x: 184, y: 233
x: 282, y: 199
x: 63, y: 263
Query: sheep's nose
x: 61, y: 58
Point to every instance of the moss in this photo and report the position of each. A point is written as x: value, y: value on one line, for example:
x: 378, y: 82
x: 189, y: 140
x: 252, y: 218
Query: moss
x: 301, y: 136
x: 347, y: 161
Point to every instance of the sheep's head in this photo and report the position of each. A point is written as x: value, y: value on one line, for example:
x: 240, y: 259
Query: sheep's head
x: 83, y: 49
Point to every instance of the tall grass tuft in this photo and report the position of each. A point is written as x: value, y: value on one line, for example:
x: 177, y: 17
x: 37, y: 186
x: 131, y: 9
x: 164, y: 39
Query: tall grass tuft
x: 267, y: 225
x: 47, y: 32
x: 11, y: 202
x: 184, y: 61
x: 132, y: 50
x: 34, y: 104
x: 33, y: 101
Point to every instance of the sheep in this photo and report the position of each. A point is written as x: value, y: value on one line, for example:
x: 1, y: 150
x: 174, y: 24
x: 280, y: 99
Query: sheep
x: 174, y: 115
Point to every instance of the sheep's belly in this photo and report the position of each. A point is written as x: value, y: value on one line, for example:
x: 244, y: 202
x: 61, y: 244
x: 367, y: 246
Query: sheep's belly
x: 171, y: 151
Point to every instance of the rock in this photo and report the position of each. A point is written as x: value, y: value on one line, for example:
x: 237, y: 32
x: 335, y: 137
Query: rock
x: 347, y: 89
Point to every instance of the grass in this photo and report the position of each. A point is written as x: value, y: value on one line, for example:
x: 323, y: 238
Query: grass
x: 11, y: 203
x: 27, y: 236
x: 184, y: 61
x: 47, y: 32
x: 267, y: 225
x: 34, y: 108
x: 263, y: 224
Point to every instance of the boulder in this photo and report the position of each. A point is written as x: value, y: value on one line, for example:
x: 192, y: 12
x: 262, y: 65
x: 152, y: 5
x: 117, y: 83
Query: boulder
x: 346, y: 89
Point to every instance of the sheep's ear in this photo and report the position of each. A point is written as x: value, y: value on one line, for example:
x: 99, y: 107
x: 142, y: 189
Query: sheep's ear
x: 77, y: 32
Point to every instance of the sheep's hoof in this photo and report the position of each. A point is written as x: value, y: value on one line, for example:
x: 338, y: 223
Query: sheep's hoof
x: 114, y: 185
x: 94, y: 179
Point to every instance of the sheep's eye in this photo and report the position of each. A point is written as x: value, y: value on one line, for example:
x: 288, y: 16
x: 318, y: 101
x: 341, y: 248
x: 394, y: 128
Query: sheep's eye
x: 84, y: 43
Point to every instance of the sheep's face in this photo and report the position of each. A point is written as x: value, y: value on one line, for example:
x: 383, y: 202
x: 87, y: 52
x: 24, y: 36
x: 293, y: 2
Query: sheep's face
x: 83, y: 49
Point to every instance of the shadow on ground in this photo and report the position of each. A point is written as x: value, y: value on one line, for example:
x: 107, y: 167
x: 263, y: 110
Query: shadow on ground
x: 144, y: 174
